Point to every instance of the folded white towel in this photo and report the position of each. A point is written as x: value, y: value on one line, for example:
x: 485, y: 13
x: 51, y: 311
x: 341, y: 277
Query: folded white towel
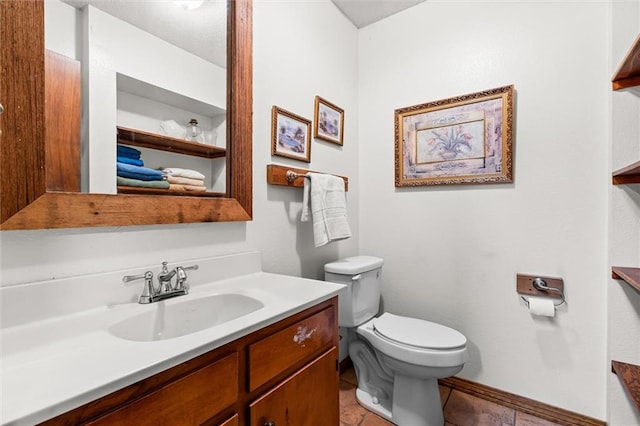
x: 324, y: 196
x: 187, y: 173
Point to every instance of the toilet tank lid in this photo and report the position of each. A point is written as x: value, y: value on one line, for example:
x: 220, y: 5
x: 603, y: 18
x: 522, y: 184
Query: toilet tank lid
x: 354, y: 265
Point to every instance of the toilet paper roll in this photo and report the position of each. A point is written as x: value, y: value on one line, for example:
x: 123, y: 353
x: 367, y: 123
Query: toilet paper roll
x: 542, y: 306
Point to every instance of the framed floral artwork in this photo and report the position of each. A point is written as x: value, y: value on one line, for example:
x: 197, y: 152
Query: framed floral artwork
x: 328, y: 121
x: 290, y: 135
x: 462, y: 140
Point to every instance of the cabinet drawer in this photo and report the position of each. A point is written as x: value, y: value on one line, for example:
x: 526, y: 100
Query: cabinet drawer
x: 189, y: 400
x: 309, y: 397
x: 302, y: 340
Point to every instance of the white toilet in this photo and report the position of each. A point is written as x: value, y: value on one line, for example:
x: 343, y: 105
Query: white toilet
x: 398, y: 360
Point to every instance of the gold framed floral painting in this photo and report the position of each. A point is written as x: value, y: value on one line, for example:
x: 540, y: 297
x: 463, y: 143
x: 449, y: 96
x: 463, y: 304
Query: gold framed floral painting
x: 462, y: 140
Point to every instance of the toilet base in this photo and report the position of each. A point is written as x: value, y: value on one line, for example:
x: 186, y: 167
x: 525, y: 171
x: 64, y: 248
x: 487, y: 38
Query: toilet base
x: 380, y: 407
x: 416, y: 402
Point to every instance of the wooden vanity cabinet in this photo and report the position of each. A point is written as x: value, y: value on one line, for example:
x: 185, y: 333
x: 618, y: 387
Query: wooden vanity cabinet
x: 286, y: 373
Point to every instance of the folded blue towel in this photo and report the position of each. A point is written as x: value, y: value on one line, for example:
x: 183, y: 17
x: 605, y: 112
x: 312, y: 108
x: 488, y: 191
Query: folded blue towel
x: 158, y: 184
x: 127, y: 160
x: 127, y: 151
x: 136, y: 172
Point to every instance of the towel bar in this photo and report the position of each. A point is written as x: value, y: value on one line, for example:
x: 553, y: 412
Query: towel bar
x: 291, y: 175
x: 288, y: 176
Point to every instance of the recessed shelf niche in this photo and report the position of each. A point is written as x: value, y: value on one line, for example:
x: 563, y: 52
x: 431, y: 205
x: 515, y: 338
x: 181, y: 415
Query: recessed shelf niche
x: 142, y: 107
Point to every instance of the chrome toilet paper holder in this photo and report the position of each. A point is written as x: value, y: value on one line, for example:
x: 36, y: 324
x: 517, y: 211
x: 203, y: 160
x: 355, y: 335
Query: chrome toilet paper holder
x: 539, y: 286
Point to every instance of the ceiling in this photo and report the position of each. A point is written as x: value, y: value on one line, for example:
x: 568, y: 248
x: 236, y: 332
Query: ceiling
x: 364, y: 12
x: 193, y: 30
x: 201, y: 31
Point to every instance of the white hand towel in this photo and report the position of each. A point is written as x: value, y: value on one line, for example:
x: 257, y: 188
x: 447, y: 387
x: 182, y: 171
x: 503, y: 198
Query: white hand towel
x: 187, y: 173
x: 324, y: 196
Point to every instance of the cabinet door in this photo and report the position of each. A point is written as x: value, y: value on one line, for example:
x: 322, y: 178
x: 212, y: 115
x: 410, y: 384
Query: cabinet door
x: 309, y: 397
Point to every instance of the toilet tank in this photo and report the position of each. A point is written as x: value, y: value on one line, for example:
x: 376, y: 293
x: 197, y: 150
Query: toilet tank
x: 360, y: 300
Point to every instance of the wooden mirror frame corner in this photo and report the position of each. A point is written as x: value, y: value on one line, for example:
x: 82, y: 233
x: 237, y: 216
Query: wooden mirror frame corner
x: 25, y: 201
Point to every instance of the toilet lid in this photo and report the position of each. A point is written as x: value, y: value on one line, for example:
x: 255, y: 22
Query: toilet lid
x: 417, y: 332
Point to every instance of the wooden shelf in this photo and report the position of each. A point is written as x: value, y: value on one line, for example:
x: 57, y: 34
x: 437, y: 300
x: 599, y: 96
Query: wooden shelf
x: 276, y: 175
x: 628, y: 73
x: 629, y: 376
x: 630, y: 275
x: 629, y: 174
x: 155, y: 191
x: 133, y: 137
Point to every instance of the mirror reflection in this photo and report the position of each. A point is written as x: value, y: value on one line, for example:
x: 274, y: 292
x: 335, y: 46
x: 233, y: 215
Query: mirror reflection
x: 153, y: 78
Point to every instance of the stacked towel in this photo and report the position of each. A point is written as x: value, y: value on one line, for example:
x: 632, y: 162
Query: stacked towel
x: 184, y: 179
x: 324, y: 200
x: 158, y: 184
x: 129, y: 155
x: 132, y: 161
x: 130, y: 170
x: 138, y: 172
x: 127, y: 151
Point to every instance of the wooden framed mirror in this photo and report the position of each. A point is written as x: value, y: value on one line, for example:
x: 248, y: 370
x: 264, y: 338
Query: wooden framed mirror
x: 26, y: 198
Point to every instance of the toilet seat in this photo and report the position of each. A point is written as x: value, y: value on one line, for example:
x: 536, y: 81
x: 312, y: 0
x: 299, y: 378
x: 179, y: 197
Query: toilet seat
x: 433, y: 352
x: 417, y: 333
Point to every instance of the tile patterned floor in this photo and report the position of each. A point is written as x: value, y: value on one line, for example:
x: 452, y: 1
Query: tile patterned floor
x: 460, y: 409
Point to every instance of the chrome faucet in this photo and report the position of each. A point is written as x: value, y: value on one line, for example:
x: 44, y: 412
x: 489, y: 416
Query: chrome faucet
x: 166, y: 288
x: 164, y: 278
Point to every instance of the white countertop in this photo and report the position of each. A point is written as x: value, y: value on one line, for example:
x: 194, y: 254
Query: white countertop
x: 54, y: 365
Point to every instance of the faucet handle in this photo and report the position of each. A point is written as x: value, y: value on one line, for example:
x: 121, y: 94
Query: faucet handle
x: 146, y: 275
x: 181, y: 277
x: 190, y: 268
x: 148, y: 290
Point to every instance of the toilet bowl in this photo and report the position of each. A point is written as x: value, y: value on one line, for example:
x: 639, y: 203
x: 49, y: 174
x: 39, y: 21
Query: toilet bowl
x: 398, y: 360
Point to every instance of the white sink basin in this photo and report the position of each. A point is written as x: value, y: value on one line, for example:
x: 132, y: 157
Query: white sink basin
x: 169, y: 320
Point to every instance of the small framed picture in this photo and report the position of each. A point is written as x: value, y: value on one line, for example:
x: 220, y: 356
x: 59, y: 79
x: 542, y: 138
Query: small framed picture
x: 329, y: 121
x: 290, y: 135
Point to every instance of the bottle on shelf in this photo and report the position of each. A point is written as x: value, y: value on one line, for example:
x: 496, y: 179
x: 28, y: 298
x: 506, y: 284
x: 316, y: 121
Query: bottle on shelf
x: 194, y: 132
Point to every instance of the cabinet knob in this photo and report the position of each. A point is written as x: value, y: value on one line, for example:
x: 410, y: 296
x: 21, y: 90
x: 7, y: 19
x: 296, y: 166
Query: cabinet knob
x: 1, y: 109
x: 269, y: 423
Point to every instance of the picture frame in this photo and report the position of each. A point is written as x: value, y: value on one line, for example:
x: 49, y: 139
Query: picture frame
x: 461, y: 140
x: 290, y: 135
x: 328, y: 121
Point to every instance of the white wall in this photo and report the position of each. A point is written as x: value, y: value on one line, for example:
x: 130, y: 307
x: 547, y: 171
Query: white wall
x: 452, y: 253
x: 624, y: 222
x: 301, y: 49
